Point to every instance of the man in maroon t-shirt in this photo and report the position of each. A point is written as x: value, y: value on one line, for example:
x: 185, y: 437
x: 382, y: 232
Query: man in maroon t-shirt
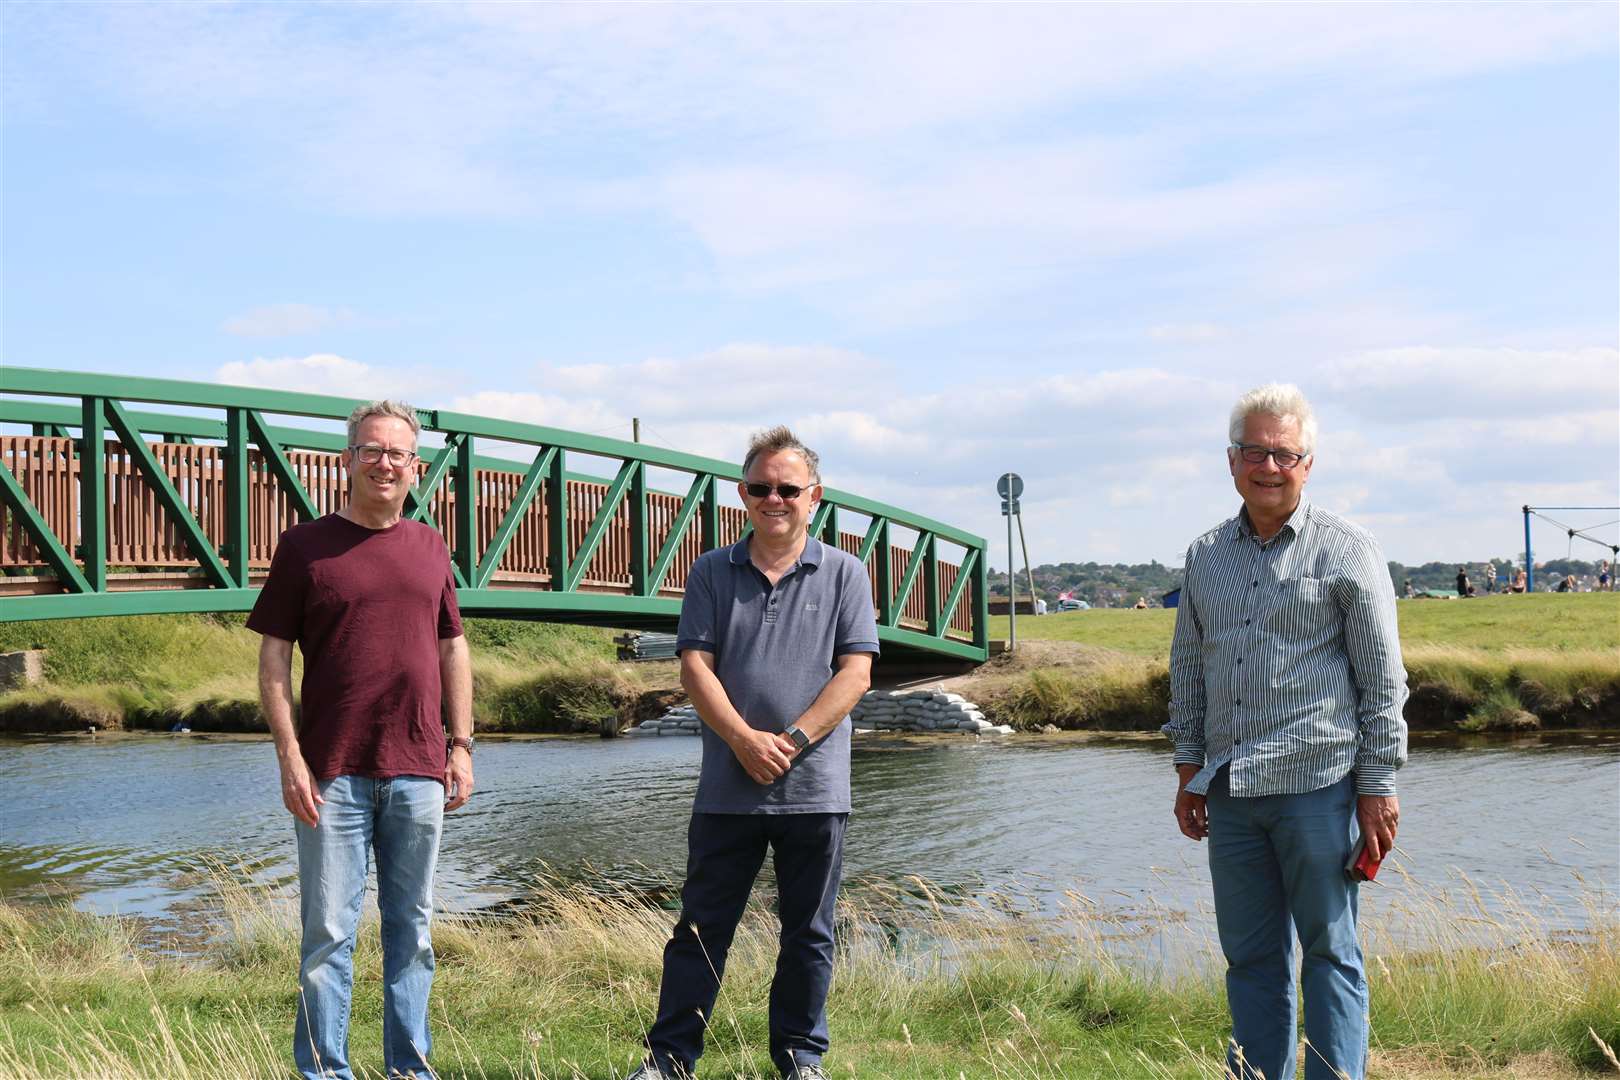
x: 371, y: 602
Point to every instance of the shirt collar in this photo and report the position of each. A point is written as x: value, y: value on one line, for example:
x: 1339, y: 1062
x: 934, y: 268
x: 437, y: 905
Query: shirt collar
x: 1242, y: 530
x: 810, y: 556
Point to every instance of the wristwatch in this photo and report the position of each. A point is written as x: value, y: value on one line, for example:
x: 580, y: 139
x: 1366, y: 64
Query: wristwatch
x: 456, y: 740
x: 800, y: 739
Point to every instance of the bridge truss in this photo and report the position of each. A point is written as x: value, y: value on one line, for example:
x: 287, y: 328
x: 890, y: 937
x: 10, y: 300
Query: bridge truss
x: 126, y: 496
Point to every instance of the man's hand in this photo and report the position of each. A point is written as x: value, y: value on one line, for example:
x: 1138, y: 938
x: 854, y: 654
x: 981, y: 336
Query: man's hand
x: 1192, y: 811
x: 1378, y: 815
x: 787, y: 746
x: 761, y: 755
x: 458, y: 778
x: 299, y: 792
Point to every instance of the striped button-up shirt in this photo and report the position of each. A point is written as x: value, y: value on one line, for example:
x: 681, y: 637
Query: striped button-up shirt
x: 1286, y: 661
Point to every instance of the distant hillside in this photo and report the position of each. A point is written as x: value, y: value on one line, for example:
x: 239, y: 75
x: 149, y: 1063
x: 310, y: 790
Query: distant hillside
x: 1119, y: 584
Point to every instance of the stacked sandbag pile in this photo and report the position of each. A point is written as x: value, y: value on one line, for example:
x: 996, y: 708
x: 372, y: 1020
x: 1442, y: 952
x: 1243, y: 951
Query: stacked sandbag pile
x: 677, y: 720
x: 921, y: 710
x: 879, y: 710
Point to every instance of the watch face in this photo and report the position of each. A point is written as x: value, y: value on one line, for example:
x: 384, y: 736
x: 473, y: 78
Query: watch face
x: 800, y: 739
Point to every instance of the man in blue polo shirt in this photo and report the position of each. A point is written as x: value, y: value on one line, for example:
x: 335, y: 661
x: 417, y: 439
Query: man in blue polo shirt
x: 776, y: 640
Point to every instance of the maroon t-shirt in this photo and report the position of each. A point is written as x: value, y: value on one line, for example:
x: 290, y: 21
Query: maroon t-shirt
x: 367, y: 608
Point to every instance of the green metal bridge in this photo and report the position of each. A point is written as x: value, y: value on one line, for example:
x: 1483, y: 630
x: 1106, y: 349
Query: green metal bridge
x: 133, y: 496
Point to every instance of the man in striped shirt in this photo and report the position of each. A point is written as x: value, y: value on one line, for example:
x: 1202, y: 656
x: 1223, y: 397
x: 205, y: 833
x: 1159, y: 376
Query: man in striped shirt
x: 1286, y: 689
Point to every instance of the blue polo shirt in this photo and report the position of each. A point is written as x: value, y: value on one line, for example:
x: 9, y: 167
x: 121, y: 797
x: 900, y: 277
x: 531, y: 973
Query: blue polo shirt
x: 774, y: 649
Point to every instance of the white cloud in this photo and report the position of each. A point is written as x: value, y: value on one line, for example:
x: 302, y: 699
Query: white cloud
x: 1430, y: 382
x: 285, y: 320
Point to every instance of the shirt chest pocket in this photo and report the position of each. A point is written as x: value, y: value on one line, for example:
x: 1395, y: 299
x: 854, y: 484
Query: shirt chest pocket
x: 1304, y: 606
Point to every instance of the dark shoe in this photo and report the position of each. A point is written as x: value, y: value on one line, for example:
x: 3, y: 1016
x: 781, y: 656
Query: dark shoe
x: 806, y: 1071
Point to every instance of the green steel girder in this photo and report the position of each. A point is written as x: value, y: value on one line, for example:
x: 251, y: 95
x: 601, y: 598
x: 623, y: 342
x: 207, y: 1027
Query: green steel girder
x: 964, y: 574
x: 883, y: 575
x: 513, y: 518
x: 40, y: 532
x: 696, y: 498
x: 237, y: 493
x: 638, y: 529
x: 286, y: 479
x: 419, y: 500
x: 92, y: 491
x: 464, y: 560
x: 581, y: 560
x: 134, y: 444
x: 18, y: 380
x: 919, y: 554
x: 226, y: 571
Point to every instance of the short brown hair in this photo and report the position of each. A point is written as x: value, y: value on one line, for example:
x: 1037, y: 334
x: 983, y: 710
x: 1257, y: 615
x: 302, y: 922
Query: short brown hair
x: 779, y: 440
x: 397, y: 409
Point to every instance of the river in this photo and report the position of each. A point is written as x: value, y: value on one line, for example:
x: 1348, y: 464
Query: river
x: 121, y: 824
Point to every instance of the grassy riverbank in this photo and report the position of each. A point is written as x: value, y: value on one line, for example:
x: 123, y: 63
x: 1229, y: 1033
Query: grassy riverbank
x: 152, y: 672
x: 568, y: 991
x: 1491, y: 663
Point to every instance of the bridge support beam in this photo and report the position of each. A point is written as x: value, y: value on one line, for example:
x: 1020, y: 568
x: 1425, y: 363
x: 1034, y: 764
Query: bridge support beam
x: 93, y: 494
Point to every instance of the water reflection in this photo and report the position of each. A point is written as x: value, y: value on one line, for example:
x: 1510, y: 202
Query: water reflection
x: 125, y: 824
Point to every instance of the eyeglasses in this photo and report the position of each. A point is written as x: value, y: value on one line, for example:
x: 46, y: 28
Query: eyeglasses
x: 1254, y: 455
x: 370, y: 455
x: 788, y: 492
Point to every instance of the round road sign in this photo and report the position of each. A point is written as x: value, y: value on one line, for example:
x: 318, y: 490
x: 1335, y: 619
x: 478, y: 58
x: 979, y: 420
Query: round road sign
x: 1010, y: 486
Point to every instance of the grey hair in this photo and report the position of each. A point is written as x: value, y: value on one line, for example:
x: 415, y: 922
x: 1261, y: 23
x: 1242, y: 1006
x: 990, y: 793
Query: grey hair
x: 1279, y: 400
x: 779, y: 440
x: 396, y: 409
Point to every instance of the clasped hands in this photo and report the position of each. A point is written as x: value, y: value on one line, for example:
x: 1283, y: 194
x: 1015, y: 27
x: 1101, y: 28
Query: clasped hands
x: 764, y: 755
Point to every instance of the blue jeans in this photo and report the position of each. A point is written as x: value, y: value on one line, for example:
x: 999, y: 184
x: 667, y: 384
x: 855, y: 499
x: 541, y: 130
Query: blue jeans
x: 1277, y: 864
x: 400, y: 819
x: 724, y: 854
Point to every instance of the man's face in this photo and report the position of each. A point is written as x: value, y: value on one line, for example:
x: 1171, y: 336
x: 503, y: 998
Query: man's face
x: 1268, y: 491
x: 773, y: 517
x: 383, y: 481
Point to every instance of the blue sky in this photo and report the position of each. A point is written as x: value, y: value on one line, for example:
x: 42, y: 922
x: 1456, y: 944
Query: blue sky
x: 940, y: 241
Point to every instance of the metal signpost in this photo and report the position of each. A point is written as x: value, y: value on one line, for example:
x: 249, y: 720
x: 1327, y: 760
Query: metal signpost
x: 1010, y: 487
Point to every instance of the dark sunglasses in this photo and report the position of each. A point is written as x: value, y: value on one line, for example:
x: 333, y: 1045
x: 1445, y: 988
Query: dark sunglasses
x: 788, y: 492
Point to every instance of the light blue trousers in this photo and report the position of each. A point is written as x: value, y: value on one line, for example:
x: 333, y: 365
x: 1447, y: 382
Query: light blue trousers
x: 1277, y: 864
x: 400, y: 819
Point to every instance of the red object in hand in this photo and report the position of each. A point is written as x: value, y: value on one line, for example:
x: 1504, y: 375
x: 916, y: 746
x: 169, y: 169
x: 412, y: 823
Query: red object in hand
x: 1362, y: 866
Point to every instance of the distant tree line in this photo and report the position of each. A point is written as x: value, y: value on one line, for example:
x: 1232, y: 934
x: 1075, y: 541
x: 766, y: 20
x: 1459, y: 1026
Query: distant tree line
x: 1443, y: 575
x: 1098, y: 584
x: 1119, y: 584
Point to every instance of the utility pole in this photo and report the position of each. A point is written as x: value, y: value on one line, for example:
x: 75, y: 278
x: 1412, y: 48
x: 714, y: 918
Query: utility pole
x: 1010, y: 487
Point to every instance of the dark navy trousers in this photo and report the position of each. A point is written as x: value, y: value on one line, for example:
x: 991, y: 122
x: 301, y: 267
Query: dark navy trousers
x: 724, y: 854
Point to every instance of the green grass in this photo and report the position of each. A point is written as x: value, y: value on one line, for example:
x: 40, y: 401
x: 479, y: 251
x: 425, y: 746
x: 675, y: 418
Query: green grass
x: 152, y: 671
x: 1498, y: 663
x: 570, y: 991
x: 1492, y: 624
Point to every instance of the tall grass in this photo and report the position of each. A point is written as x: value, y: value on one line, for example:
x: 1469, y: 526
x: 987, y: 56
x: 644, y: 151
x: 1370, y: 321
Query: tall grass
x: 153, y: 672
x: 1486, y: 664
x: 920, y: 991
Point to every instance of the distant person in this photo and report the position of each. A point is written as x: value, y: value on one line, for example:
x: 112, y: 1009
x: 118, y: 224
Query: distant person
x: 1407, y: 590
x: 1520, y: 581
x: 1141, y: 603
x: 776, y: 642
x: 367, y: 771
x: 1603, y: 582
x: 1286, y: 691
x: 1463, y: 588
x: 1487, y: 580
x: 1567, y: 584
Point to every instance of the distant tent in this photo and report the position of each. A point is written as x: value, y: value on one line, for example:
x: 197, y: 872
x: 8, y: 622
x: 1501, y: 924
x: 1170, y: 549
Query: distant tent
x: 1172, y: 598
